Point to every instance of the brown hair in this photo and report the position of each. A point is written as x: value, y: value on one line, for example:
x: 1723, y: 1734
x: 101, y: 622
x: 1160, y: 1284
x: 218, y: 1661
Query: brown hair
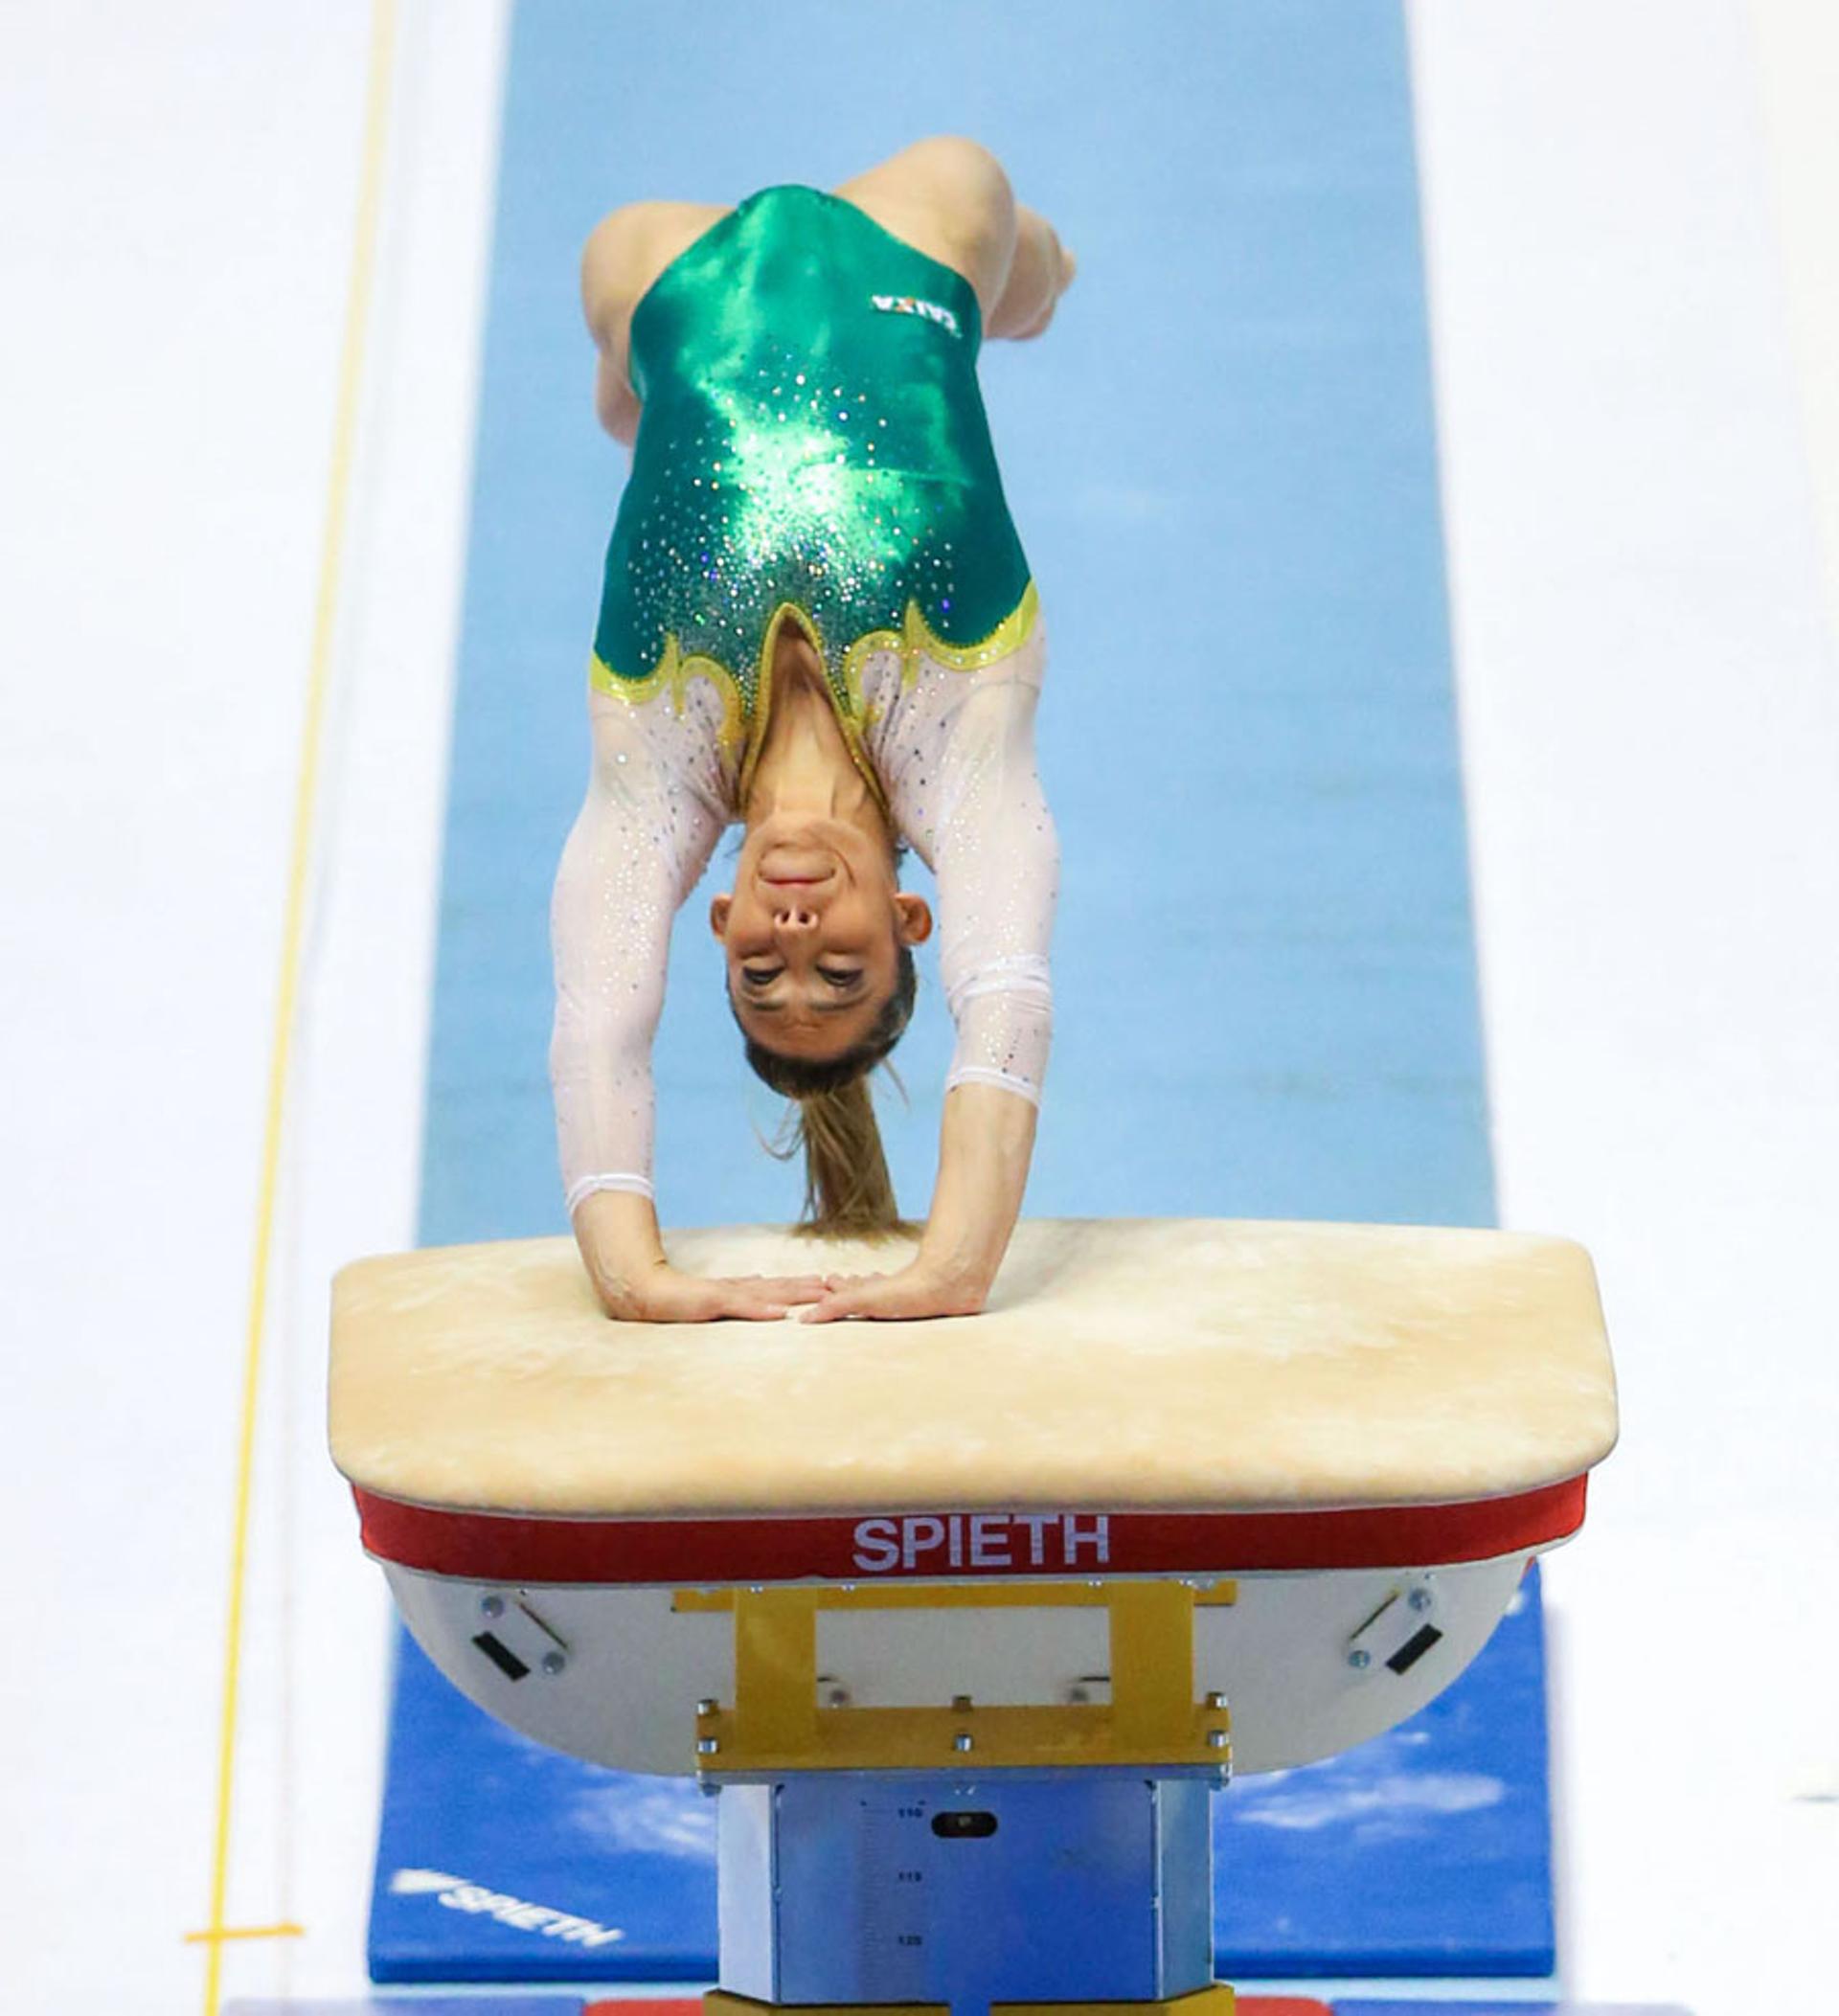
x: 847, y: 1185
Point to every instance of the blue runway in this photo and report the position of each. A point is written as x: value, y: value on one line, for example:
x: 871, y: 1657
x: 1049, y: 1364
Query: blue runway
x: 1222, y: 463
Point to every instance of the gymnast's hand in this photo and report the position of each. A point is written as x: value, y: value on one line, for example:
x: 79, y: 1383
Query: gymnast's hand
x: 618, y: 1235
x: 984, y: 1150
x: 661, y: 1294
x: 921, y: 1289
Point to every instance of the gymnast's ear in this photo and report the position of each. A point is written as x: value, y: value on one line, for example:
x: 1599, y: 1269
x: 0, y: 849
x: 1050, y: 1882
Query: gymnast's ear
x: 718, y: 909
x: 912, y: 918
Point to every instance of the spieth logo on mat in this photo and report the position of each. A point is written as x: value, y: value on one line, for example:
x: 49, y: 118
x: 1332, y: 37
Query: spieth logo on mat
x: 908, y: 305
x: 457, y: 1894
x: 927, y: 1541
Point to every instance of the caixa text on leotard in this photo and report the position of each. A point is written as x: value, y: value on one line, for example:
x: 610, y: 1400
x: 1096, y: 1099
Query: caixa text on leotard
x: 911, y: 304
x: 931, y: 1542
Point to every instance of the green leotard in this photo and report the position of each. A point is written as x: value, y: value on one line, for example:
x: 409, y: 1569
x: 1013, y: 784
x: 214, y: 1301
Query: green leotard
x: 812, y: 448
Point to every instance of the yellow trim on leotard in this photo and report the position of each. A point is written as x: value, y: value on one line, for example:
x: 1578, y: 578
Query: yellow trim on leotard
x: 672, y: 675
x: 743, y: 729
x: 849, y: 715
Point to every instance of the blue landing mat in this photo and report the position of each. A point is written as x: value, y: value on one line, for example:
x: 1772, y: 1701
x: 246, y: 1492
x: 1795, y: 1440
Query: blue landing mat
x: 1423, y: 1852
x: 560, y: 2004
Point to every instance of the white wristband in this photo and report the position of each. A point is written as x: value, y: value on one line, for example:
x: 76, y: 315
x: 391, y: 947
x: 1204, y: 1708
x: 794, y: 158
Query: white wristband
x: 985, y: 1075
x: 615, y: 1180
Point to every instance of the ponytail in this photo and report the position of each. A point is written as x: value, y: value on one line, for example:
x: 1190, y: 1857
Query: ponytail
x: 847, y: 1190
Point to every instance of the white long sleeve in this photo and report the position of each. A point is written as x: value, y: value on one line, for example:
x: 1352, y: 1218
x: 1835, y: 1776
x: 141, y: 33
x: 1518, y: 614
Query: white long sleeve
x: 957, y: 752
x: 649, y: 823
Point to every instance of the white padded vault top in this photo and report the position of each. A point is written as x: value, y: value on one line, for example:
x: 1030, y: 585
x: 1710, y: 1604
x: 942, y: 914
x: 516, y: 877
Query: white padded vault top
x: 1124, y: 1363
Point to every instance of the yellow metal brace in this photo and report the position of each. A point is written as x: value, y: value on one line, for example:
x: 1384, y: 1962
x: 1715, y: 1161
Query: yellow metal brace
x: 775, y: 1724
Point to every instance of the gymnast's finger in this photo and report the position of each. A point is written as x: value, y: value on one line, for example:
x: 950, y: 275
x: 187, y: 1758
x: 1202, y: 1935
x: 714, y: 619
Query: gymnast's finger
x: 755, y: 1309
x: 790, y: 1287
x: 849, y: 1301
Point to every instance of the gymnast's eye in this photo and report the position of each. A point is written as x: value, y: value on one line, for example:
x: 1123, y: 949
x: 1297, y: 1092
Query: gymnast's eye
x: 761, y: 976
x: 838, y: 977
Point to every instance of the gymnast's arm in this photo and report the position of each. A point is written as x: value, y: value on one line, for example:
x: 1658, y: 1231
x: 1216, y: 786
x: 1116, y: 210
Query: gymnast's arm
x: 996, y: 855
x: 635, y: 851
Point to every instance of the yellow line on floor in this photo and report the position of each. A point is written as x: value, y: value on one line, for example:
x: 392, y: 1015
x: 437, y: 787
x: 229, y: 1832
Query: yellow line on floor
x: 245, y: 1932
x: 280, y: 1050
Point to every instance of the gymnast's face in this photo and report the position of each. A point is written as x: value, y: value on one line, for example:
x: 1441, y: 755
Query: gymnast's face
x: 812, y: 933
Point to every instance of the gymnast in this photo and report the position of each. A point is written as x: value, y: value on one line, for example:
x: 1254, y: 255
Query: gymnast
x: 817, y: 622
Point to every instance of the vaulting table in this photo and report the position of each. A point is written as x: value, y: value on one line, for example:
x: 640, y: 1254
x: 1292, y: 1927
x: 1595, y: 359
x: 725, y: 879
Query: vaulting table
x: 963, y: 1617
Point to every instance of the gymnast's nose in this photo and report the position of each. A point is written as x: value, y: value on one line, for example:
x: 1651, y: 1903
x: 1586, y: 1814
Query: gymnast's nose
x: 794, y: 918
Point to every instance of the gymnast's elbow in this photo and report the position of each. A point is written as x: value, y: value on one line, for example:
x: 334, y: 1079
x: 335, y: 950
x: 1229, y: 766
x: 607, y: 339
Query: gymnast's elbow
x: 1039, y: 861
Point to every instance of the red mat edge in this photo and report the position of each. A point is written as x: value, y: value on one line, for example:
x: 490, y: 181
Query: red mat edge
x: 502, y: 1546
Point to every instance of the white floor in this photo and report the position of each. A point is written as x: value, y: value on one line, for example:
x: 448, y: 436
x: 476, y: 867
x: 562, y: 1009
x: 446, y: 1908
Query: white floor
x: 1651, y: 727
x: 193, y: 172
x: 1631, y: 294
